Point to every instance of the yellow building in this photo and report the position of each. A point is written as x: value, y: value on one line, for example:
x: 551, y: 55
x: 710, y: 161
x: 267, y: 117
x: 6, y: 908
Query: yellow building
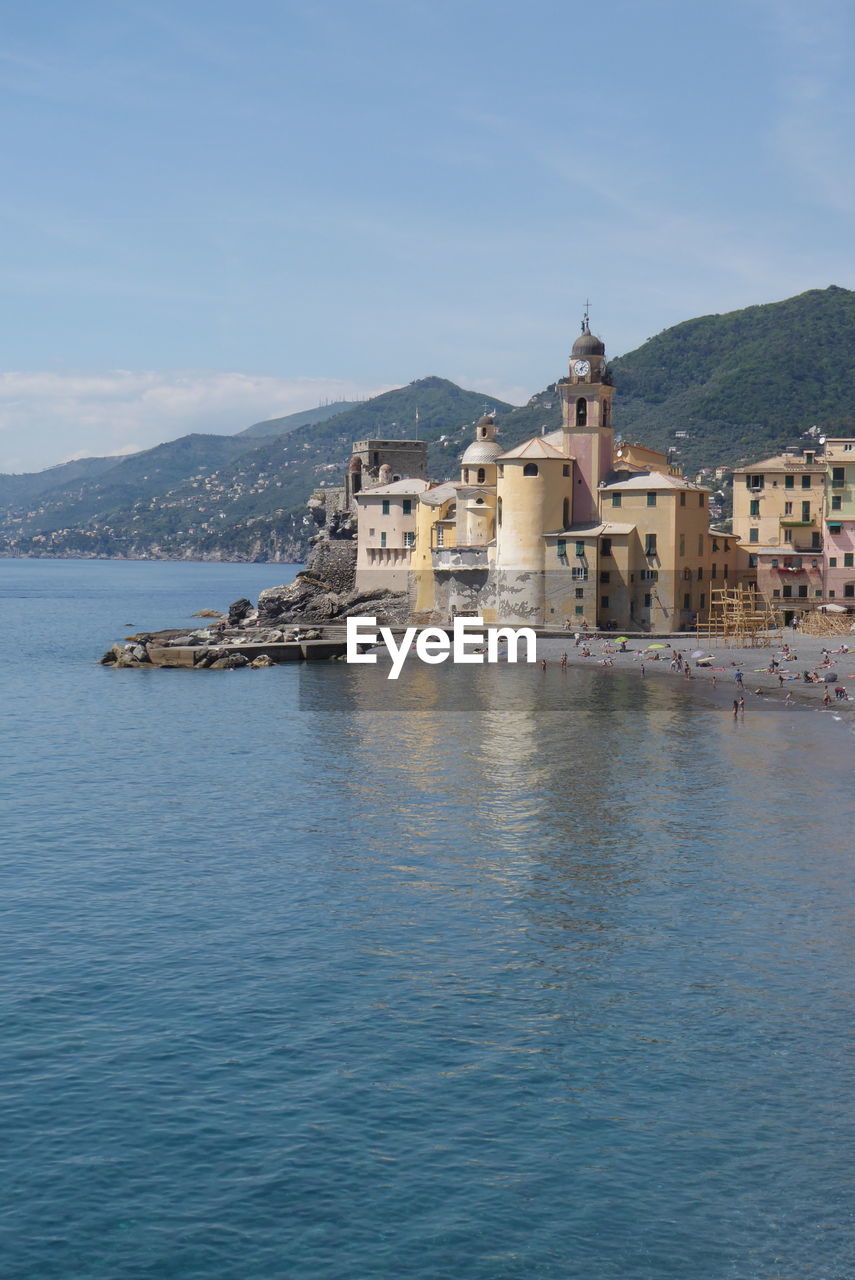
x: 567, y: 527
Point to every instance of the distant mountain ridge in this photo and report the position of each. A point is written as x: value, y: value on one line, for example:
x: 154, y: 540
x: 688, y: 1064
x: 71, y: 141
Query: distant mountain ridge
x: 734, y: 386
x: 304, y: 418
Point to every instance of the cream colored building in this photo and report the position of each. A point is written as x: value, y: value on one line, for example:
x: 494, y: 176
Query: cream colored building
x: 386, y: 534
x: 565, y: 527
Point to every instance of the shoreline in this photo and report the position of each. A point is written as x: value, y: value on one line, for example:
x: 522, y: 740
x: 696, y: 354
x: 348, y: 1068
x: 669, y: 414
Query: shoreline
x: 718, y: 682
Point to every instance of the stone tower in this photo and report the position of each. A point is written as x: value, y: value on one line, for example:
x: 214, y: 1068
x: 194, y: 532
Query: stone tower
x: 586, y: 415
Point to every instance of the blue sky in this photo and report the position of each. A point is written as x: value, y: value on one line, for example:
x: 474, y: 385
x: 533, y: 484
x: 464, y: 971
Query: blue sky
x: 216, y: 213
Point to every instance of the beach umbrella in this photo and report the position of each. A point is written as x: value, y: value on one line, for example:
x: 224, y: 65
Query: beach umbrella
x: 833, y: 608
x: 701, y: 653
x: 621, y: 639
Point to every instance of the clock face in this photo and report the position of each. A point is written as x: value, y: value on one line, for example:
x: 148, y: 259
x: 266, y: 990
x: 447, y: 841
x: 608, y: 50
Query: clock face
x: 582, y: 368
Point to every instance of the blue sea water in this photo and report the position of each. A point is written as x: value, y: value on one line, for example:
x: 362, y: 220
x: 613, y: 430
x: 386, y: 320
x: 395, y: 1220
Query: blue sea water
x: 513, y: 974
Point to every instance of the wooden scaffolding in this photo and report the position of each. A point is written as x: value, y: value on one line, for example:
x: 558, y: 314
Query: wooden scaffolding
x: 740, y: 617
x: 815, y: 622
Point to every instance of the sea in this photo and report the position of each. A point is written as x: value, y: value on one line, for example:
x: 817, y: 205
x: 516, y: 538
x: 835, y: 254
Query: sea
x: 491, y: 973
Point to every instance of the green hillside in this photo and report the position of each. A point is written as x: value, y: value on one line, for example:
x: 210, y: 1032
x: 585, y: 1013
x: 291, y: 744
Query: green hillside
x: 744, y: 383
x: 231, y: 497
x: 281, y: 426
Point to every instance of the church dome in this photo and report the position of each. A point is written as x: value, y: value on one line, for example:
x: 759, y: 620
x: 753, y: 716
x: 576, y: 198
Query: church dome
x: 481, y: 452
x: 588, y: 345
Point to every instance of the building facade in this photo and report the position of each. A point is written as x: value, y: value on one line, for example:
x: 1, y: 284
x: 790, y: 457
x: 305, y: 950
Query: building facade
x: 566, y: 527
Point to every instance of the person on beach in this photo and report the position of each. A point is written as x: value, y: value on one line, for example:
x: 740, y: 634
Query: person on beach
x: 738, y: 678
x: 780, y: 681
x: 735, y: 708
x: 826, y: 698
x: 543, y: 664
x: 642, y: 668
x: 788, y: 701
x: 563, y: 661
x: 687, y: 671
x: 741, y: 706
x: 623, y: 648
x: 713, y: 682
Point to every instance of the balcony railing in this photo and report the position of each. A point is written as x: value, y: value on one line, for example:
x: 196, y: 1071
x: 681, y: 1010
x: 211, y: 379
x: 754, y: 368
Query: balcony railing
x: 458, y: 558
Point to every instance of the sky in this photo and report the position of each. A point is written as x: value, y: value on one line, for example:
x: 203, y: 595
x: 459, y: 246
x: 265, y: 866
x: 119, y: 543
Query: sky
x: 216, y: 213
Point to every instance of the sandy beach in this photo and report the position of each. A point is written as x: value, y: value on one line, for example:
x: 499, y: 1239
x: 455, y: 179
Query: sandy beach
x: 718, y: 679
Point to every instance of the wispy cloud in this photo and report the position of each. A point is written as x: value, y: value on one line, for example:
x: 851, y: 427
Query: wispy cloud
x: 48, y: 417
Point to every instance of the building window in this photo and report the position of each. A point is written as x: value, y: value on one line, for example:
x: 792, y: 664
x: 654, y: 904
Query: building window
x: 409, y: 538
x: 580, y: 593
x: 482, y: 475
x: 580, y: 548
x: 838, y: 477
x: 605, y: 576
x: 836, y: 502
x: 849, y: 589
x: 499, y: 513
x: 581, y: 412
x: 682, y: 550
x: 616, y: 499
x: 682, y: 497
x: 651, y: 499
x: 440, y: 536
x: 650, y: 544
x: 604, y: 602
x: 754, y: 507
x: 835, y: 528
x: 687, y: 601
x: 832, y: 562
x: 814, y: 542
x: 385, y: 506
x: 847, y: 560
x: 788, y: 509
x: 565, y: 514
x: 647, y: 599
x: 605, y: 546
x: 831, y: 595
x: 788, y: 535
x: 580, y: 608
x: 788, y: 593
x: 806, y: 511
x: 371, y: 533
x: 700, y: 572
x: 818, y: 593
x: 382, y: 539
x: 754, y: 535
x: 754, y: 482
x: 776, y: 593
x: 701, y: 498
x: 580, y: 575
x: 789, y: 482
x: 725, y: 569
x: 714, y: 570
x: 408, y: 506
x: 802, y: 593
x: 565, y: 470
x: 687, y: 574
x: 805, y: 482
x: 530, y: 469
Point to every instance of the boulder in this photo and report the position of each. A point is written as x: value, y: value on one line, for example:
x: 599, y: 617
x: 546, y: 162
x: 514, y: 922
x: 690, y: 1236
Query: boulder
x: 263, y: 660
x: 230, y: 663
x: 238, y: 610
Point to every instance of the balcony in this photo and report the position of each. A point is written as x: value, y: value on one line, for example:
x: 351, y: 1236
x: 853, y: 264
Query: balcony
x: 459, y: 559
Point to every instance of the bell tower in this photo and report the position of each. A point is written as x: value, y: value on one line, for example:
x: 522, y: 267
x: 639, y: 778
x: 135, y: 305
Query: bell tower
x: 586, y: 416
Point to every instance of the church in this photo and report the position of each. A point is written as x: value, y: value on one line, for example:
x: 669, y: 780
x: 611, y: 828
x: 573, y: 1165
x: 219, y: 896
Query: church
x: 565, y: 528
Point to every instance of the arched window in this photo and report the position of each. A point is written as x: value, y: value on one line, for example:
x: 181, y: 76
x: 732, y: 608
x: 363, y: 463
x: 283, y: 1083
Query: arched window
x: 566, y: 524
x: 605, y: 413
x: 581, y: 412
x: 499, y: 513
x: 530, y: 469
x: 482, y: 475
x: 465, y: 475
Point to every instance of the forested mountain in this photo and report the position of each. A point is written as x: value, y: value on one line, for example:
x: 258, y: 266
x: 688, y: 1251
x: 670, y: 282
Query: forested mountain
x: 718, y: 390
x: 230, y: 497
x: 281, y: 426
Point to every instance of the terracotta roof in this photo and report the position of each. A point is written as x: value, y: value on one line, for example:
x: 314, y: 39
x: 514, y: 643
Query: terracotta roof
x: 536, y: 447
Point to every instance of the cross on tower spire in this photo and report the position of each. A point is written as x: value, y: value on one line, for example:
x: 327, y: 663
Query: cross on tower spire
x: 586, y: 328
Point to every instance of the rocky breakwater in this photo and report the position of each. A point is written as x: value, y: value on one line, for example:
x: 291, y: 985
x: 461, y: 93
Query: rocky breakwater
x: 222, y: 649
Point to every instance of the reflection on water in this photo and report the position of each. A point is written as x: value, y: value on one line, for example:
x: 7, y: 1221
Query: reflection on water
x: 489, y: 973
